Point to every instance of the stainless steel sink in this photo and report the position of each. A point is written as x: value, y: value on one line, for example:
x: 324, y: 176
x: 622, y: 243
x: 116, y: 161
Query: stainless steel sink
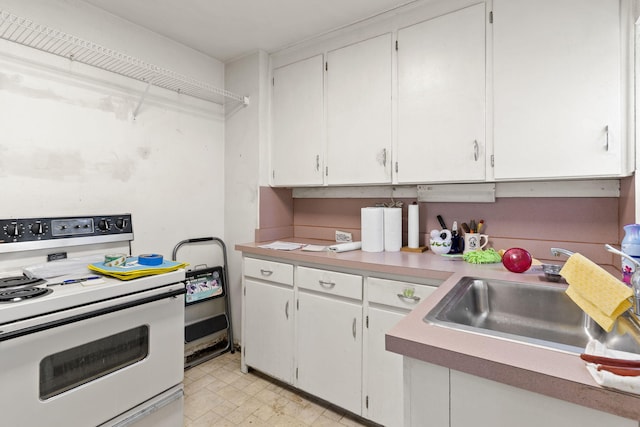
x: 536, y: 314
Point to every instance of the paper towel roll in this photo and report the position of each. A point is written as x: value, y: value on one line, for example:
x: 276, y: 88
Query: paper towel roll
x: 372, y: 229
x: 392, y: 229
x: 413, y: 228
x: 345, y: 247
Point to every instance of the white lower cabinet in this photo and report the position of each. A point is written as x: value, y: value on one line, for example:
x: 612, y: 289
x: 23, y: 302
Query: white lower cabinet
x: 329, y: 344
x: 388, y: 302
x: 441, y: 397
x: 426, y: 390
x: 267, y: 330
x: 306, y: 326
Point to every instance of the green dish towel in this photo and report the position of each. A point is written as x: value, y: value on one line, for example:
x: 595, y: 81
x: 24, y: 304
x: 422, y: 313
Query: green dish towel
x: 488, y: 256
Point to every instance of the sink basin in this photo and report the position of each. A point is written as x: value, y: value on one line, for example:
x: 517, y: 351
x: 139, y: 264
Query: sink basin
x: 537, y: 314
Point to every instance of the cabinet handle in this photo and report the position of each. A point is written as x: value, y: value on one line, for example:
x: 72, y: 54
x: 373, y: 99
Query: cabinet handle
x: 353, y: 328
x: 266, y: 272
x: 384, y: 157
x: 476, y: 150
x: 327, y: 285
x: 413, y: 299
x: 286, y: 310
x: 606, y: 135
x: 317, y: 162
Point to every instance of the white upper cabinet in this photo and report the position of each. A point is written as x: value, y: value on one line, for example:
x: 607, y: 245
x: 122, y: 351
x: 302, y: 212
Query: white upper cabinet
x: 441, y: 98
x: 359, y: 112
x: 557, y: 89
x: 297, y: 147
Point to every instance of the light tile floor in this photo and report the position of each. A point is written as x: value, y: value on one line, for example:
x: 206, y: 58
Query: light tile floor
x: 218, y: 394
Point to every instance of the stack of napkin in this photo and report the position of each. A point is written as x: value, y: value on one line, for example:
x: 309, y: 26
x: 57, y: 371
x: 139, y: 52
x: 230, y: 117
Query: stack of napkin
x: 604, y: 377
x: 598, y: 293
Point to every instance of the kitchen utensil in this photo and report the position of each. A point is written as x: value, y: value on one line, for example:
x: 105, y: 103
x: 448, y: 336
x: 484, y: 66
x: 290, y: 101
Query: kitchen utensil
x: 465, y: 227
x: 472, y: 226
x: 617, y: 370
x: 480, y: 225
x: 517, y: 260
x: 627, y: 363
x: 441, y: 221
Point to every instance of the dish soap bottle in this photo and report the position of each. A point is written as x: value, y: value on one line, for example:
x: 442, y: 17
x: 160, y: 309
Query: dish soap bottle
x: 630, y: 246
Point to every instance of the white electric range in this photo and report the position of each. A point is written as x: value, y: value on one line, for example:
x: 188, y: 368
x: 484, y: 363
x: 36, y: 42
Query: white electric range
x: 94, y: 352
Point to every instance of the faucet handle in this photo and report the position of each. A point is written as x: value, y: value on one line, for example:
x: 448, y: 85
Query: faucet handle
x: 623, y: 255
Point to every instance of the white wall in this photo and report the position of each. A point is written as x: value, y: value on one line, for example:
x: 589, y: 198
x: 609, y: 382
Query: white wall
x: 70, y: 145
x: 244, y: 161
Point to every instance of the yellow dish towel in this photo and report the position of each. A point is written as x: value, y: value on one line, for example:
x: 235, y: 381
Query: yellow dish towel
x: 598, y: 293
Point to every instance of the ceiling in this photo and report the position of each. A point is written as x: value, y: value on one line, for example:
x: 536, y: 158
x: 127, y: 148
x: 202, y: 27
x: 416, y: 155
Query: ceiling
x: 228, y: 29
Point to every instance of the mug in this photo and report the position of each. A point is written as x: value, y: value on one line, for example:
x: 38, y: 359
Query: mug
x: 473, y: 241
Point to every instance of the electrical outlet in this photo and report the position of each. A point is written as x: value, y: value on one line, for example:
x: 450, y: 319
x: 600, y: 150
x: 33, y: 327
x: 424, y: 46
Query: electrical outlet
x: 343, y: 236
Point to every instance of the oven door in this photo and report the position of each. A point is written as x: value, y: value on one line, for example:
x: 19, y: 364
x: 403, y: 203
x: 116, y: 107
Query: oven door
x: 87, y: 365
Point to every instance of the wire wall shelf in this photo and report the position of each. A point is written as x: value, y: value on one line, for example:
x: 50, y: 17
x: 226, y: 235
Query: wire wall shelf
x: 28, y: 33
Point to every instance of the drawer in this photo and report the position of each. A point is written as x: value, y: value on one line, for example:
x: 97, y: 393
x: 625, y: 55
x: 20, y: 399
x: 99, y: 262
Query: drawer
x: 269, y: 270
x: 396, y: 293
x: 330, y: 282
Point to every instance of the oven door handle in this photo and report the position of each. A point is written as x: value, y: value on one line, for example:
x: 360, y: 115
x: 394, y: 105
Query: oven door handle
x: 89, y: 315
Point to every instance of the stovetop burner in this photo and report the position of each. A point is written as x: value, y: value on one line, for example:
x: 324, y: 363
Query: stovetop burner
x: 19, y: 281
x: 22, y: 293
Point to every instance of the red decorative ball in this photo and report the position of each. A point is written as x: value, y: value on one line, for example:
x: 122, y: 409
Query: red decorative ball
x: 517, y: 260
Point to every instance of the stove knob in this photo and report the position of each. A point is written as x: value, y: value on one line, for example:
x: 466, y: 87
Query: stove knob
x: 13, y: 229
x: 37, y: 228
x: 121, y: 223
x: 104, y: 225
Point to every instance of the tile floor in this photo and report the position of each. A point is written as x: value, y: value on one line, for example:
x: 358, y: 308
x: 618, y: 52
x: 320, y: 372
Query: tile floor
x: 218, y: 394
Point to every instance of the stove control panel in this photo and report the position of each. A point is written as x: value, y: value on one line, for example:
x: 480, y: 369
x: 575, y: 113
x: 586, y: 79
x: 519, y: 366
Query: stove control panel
x: 37, y: 233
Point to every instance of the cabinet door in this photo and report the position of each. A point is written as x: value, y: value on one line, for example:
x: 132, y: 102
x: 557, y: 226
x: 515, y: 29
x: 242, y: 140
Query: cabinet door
x: 557, y: 88
x: 298, y: 126
x: 441, y: 98
x: 480, y: 402
x: 359, y: 113
x: 330, y: 350
x: 268, y: 329
x: 383, y: 371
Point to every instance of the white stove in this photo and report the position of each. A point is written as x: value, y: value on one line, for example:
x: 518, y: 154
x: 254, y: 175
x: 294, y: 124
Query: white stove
x: 66, y: 296
x: 65, y: 346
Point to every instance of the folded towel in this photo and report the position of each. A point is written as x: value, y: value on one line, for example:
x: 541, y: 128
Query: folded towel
x: 606, y: 378
x: 598, y: 293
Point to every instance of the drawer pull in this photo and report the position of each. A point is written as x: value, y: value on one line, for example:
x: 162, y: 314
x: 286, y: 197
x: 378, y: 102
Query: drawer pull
x: 353, y: 328
x: 266, y: 272
x: 327, y: 285
x: 412, y: 299
x: 286, y: 310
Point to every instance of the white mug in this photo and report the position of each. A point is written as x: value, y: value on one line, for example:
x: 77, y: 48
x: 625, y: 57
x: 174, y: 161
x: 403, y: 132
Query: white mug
x: 474, y: 242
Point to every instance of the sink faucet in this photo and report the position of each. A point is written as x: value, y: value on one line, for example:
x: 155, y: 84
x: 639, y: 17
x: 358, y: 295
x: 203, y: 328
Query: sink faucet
x: 635, y: 278
x: 558, y: 251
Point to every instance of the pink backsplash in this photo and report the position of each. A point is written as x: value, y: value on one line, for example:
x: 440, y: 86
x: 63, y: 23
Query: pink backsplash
x: 582, y: 224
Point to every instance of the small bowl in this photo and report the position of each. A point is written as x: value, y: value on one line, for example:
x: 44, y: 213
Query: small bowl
x: 552, y: 272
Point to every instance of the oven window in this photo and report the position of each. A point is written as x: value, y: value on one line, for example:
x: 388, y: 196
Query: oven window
x: 70, y: 368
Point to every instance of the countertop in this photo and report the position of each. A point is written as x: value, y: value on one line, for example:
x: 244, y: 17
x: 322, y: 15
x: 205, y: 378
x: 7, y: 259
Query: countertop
x: 550, y: 372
